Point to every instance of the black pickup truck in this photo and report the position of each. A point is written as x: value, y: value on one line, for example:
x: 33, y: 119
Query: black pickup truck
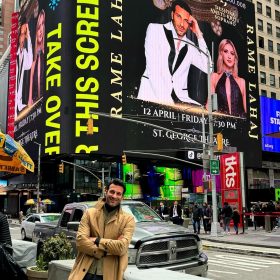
x: 155, y: 243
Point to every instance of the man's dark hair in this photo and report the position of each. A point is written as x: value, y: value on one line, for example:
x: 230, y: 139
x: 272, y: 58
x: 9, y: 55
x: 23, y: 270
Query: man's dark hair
x: 182, y: 4
x: 117, y: 182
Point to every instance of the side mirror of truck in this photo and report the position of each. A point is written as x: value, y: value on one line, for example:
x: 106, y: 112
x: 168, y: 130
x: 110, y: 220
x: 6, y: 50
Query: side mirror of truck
x: 73, y: 226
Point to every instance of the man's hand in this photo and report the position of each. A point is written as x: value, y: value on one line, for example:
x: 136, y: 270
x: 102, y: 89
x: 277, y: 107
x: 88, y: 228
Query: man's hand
x: 194, y: 27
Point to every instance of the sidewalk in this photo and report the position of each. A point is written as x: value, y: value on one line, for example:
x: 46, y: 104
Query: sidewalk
x: 252, y: 242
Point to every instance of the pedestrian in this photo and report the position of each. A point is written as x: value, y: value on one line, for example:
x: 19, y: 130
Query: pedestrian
x: 255, y: 215
x: 226, y: 214
x: 103, y: 238
x: 236, y: 219
x: 20, y: 216
x: 175, y: 213
x: 29, y: 211
x: 5, y: 235
x: 207, y: 217
x: 196, y: 216
x: 162, y: 210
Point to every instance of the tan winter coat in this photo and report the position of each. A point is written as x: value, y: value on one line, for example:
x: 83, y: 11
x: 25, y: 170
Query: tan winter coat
x: 116, y: 260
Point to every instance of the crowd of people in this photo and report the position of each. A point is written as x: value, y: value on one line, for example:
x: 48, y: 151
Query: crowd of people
x: 196, y: 213
x: 261, y: 209
x: 201, y: 216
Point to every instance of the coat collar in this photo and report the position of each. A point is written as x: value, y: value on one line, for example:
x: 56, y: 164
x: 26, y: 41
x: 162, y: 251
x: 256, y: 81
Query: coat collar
x: 100, y: 204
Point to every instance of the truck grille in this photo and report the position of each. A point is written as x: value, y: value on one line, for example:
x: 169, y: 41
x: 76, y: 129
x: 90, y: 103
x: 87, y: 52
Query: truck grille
x: 167, y: 251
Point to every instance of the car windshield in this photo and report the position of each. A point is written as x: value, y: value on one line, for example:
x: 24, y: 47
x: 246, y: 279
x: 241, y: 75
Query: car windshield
x: 50, y: 218
x: 141, y: 213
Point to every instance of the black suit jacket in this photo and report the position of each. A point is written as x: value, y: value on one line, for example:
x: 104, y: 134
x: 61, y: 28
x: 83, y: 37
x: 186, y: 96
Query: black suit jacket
x: 179, y: 211
x: 162, y: 212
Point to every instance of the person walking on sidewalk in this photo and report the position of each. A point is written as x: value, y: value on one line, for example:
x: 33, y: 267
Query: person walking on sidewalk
x: 236, y: 219
x: 196, y: 216
x: 207, y: 216
x: 226, y: 214
x: 175, y: 213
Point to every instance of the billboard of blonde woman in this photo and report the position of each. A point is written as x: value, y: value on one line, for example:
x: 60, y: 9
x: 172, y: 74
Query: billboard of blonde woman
x: 230, y: 88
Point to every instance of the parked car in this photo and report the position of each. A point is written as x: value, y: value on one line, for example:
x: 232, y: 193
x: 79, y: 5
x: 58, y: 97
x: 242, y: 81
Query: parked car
x: 155, y: 242
x: 28, y: 225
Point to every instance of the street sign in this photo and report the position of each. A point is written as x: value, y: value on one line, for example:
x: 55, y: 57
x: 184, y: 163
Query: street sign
x: 214, y: 167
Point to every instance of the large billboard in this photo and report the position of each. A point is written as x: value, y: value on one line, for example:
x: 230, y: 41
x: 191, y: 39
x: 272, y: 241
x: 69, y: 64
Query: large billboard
x: 270, y: 123
x: 147, y: 60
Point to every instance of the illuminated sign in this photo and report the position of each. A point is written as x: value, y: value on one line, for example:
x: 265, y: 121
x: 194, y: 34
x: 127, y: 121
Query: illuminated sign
x: 120, y: 58
x: 270, y: 123
x: 230, y: 180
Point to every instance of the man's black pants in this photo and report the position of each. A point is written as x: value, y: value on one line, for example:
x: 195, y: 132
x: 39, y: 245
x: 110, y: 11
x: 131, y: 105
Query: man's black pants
x: 90, y: 276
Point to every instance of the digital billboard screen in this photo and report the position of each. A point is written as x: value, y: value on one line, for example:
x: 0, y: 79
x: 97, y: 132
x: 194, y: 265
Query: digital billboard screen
x: 136, y: 60
x: 270, y: 123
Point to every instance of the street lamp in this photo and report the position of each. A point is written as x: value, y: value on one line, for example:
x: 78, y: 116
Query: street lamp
x: 211, y: 105
x: 38, y: 175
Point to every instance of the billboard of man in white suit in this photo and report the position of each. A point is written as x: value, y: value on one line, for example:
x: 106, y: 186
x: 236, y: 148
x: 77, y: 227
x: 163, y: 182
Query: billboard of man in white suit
x: 169, y: 56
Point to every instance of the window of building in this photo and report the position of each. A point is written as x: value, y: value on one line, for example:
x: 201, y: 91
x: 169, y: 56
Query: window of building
x: 278, y: 48
x: 273, y: 94
x: 259, y: 7
x: 276, y: 2
x: 271, y: 62
x: 261, y: 42
x: 263, y: 77
x: 278, y: 32
x: 272, y: 80
x: 263, y: 92
x: 270, y: 45
x: 260, y: 25
x: 278, y: 65
x: 262, y: 59
x: 268, y: 11
x: 277, y: 15
x: 269, y: 28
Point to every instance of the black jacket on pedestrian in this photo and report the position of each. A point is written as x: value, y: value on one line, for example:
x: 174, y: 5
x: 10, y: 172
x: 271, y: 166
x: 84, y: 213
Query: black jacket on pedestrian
x: 179, y: 211
x: 236, y: 217
x: 226, y: 211
x: 197, y: 213
x: 162, y: 211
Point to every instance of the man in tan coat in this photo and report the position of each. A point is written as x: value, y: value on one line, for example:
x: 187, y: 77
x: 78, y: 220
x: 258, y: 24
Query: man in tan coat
x: 103, y: 238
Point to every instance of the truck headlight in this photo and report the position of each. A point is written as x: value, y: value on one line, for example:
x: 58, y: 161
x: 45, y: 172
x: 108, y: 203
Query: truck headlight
x: 132, y: 254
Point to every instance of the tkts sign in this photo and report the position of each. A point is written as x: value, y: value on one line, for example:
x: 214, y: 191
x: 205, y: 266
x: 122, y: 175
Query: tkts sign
x: 230, y: 180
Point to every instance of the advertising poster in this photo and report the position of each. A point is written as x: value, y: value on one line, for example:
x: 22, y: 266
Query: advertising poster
x: 135, y: 60
x: 171, y: 88
x: 270, y: 123
x: 230, y: 180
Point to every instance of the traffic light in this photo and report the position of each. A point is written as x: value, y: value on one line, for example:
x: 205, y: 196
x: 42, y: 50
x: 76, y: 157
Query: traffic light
x: 61, y: 168
x: 99, y: 184
x: 90, y: 126
x: 124, y: 159
x: 220, y: 144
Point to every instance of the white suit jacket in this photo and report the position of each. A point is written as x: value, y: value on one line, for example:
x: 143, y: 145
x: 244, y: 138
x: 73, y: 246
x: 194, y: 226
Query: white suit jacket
x: 21, y: 67
x: 166, y: 70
